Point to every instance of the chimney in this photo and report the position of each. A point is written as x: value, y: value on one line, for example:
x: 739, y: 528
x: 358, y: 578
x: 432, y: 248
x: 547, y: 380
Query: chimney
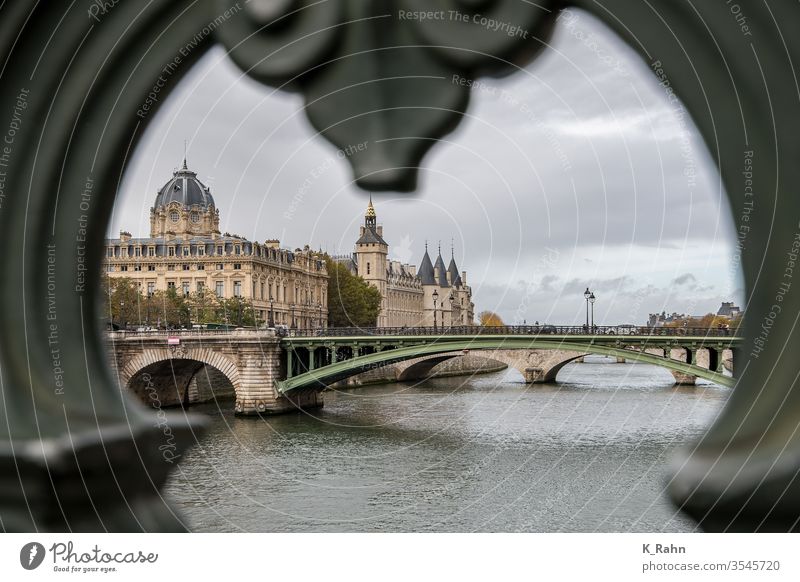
x: 380, y: 230
x: 124, y: 236
x: 464, y: 277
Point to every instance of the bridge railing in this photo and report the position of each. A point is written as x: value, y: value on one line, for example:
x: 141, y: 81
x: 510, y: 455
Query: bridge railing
x: 467, y: 330
x: 598, y: 330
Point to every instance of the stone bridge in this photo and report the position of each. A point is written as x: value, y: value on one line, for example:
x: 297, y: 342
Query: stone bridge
x: 267, y: 374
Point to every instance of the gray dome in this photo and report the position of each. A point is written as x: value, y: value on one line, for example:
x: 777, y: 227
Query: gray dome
x: 185, y: 189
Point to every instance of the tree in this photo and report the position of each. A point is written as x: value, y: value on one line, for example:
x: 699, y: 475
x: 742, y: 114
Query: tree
x: 172, y: 310
x: 204, y: 307
x: 124, y: 301
x: 490, y: 319
x: 352, y: 302
x: 236, y: 311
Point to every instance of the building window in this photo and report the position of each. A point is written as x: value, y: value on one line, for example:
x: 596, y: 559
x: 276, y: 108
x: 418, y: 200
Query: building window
x: 151, y: 288
x: 220, y: 266
x: 237, y: 266
x: 220, y: 288
x: 201, y: 250
x: 367, y: 268
x: 151, y: 251
x: 185, y: 287
x: 185, y: 251
x: 174, y: 216
x: 171, y: 252
x: 171, y: 285
x: 237, y: 288
x: 123, y: 268
x: 195, y: 217
x: 186, y: 267
x: 137, y: 267
x: 170, y: 267
x: 237, y: 250
x: 109, y: 268
x: 110, y: 252
x: 200, y: 287
x: 219, y: 249
x: 137, y: 252
x: 201, y: 267
x: 151, y: 267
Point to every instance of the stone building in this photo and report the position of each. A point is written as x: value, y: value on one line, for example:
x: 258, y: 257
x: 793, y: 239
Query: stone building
x: 433, y: 295
x: 186, y: 252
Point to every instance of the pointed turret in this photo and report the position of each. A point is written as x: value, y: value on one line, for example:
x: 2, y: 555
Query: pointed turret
x: 438, y: 268
x: 452, y: 270
x: 371, y: 232
x: 426, y: 269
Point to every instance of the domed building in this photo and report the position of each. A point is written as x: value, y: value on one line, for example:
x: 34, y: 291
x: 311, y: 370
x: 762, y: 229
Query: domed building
x: 186, y: 252
x: 184, y: 207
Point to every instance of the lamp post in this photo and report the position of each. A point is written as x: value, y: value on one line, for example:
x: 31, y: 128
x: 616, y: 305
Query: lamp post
x: 592, y: 299
x: 294, y: 323
x: 122, y: 315
x: 271, y: 316
x: 586, y: 295
x: 435, y: 299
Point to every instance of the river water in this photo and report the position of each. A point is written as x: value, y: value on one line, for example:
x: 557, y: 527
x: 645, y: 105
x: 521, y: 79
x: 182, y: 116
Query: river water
x: 463, y: 454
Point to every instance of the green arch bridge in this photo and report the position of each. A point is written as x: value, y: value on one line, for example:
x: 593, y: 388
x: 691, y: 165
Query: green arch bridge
x: 317, y: 358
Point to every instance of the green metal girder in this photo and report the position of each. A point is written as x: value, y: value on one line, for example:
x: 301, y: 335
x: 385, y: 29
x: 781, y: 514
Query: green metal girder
x: 460, y: 343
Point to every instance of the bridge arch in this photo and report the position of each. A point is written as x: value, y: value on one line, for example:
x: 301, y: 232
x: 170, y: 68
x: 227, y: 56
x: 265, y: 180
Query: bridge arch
x: 173, y: 377
x: 499, y: 347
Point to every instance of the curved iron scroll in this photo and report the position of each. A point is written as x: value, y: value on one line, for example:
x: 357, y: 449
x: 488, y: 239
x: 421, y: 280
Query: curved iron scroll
x: 80, y: 82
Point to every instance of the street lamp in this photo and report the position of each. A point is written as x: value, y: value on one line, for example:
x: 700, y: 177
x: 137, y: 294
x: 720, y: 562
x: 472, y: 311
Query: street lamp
x: 122, y: 314
x: 592, y: 299
x: 271, y: 316
x: 586, y: 295
x: 435, y: 299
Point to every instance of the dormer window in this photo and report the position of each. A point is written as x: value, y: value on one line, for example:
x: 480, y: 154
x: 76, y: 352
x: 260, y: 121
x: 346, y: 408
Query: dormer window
x: 174, y: 216
x: 195, y: 216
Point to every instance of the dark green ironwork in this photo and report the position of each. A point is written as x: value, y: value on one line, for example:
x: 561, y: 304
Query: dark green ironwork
x: 389, y: 349
x: 76, y: 80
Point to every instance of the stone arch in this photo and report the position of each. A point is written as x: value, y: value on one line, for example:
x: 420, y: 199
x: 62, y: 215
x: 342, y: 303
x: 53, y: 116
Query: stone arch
x: 421, y: 369
x: 190, y: 363
x: 536, y: 365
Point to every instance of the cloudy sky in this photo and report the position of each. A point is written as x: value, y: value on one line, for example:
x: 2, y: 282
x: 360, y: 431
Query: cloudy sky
x: 575, y: 172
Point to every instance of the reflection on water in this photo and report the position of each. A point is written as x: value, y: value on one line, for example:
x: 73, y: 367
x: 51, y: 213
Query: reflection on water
x: 482, y: 453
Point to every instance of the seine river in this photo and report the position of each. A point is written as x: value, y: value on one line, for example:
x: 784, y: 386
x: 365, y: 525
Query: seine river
x: 465, y: 454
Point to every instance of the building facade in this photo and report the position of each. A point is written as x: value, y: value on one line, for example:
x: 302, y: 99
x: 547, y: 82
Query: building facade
x: 186, y: 252
x: 433, y: 295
